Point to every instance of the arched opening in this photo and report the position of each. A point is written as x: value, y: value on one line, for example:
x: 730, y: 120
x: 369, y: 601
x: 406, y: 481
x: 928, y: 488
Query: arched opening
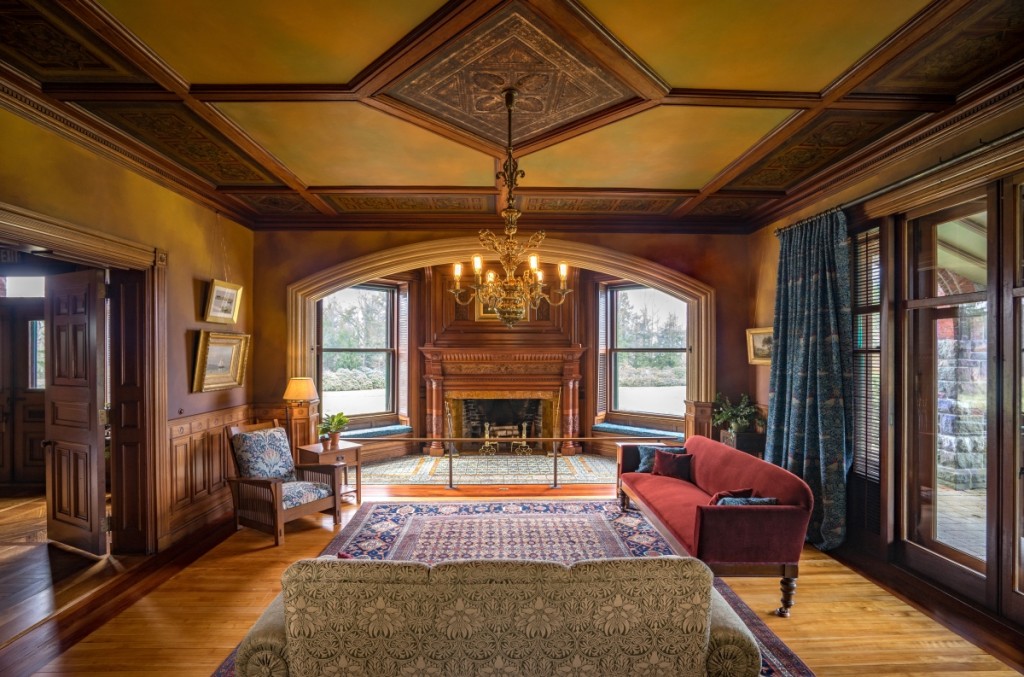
x: 304, y: 294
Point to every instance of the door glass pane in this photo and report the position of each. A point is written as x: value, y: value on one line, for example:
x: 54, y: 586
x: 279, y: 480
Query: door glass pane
x: 951, y: 251
x: 949, y: 464
x: 649, y: 382
x: 1018, y: 510
x: 36, y: 354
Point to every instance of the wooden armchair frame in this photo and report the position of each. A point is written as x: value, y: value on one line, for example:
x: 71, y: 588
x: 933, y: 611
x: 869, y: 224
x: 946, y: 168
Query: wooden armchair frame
x: 258, y: 501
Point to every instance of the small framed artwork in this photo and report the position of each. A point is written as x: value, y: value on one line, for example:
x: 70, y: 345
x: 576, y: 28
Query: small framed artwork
x: 759, y: 346
x: 223, y: 303
x: 220, y: 362
x: 484, y: 312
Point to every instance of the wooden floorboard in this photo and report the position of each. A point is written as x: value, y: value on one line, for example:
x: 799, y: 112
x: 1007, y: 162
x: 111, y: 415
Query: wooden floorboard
x: 842, y: 624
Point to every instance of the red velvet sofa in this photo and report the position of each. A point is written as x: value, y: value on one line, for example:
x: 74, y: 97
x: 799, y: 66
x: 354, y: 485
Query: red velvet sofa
x: 734, y: 540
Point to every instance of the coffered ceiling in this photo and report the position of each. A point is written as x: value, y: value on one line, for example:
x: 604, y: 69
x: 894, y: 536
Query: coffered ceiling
x: 646, y: 116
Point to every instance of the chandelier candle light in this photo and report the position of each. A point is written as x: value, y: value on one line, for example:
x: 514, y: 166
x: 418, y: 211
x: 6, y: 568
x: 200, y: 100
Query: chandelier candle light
x: 510, y: 298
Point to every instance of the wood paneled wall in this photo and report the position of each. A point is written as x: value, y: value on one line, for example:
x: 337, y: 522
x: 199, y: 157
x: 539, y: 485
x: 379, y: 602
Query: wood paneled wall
x: 192, y: 491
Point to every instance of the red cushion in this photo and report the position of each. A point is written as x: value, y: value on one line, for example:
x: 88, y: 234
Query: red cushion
x: 672, y: 465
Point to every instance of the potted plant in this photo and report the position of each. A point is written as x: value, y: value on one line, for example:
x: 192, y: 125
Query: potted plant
x: 332, y: 425
x: 735, y: 421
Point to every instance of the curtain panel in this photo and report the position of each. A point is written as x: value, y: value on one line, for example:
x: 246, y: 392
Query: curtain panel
x: 810, y: 402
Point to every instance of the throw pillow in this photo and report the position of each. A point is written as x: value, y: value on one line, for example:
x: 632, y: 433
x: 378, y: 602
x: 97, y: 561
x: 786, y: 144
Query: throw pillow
x: 732, y: 493
x: 753, y: 500
x: 672, y: 464
x: 647, y: 455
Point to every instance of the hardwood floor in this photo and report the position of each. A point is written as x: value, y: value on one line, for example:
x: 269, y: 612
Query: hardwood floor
x: 37, y: 578
x: 842, y: 623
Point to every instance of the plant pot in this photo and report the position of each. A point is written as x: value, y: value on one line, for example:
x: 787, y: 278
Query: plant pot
x: 751, y: 443
x: 334, y: 438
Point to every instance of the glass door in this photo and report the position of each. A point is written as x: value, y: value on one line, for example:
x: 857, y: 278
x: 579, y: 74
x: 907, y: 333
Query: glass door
x: 1013, y: 502
x: 947, y: 404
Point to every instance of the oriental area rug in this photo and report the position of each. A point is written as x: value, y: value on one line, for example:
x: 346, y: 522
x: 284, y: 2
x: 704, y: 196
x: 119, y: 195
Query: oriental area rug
x: 559, y: 531
x: 497, y: 469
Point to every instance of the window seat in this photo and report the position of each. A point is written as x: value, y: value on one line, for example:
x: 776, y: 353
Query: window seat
x: 609, y: 448
x: 374, y: 450
x: 380, y: 431
x: 633, y: 431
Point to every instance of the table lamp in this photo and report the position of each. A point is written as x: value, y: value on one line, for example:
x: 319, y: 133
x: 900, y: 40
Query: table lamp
x: 300, y: 389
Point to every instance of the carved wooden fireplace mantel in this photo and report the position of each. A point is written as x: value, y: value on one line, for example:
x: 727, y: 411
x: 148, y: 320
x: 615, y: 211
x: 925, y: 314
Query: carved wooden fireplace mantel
x: 515, y: 372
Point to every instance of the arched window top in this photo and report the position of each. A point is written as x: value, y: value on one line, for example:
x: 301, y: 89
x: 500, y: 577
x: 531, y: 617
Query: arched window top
x: 700, y: 298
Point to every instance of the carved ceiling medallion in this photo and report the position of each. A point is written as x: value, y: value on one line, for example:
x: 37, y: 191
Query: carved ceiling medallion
x: 515, y: 48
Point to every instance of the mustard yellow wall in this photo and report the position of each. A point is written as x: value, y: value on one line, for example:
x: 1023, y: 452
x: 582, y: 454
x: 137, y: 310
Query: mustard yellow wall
x: 43, y: 172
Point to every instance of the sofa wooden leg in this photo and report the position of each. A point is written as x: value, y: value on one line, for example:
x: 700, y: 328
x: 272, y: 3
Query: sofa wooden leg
x: 623, y: 500
x: 788, y: 586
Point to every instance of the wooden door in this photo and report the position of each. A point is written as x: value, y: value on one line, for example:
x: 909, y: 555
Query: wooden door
x: 75, y: 487
x: 6, y: 395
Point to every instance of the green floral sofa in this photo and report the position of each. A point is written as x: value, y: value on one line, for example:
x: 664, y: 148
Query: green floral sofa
x: 642, y: 616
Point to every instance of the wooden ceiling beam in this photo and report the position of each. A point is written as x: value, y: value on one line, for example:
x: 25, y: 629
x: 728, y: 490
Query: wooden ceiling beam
x: 95, y: 17
x: 260, y: 93
x: 923, y: 23
x: 104, y: 92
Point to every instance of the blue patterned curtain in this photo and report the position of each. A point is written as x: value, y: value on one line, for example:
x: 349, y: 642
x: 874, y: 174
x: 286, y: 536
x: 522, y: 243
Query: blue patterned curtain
x: 810, y: 414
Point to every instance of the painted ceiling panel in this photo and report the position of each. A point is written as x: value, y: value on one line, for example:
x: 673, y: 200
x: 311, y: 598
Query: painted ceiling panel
x: 671, y: 147
x: 738, y: 44
x: 268, y: 41
x: 363, y: 146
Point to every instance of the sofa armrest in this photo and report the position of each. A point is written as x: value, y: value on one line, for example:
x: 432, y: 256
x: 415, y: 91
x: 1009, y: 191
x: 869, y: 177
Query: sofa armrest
x: 627, y: 457
x: 264, y: 650
x: 732, y: 651
x: 750, y: 533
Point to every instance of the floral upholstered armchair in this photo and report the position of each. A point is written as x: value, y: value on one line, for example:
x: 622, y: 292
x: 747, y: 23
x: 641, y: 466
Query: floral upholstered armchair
x: 270, y: 489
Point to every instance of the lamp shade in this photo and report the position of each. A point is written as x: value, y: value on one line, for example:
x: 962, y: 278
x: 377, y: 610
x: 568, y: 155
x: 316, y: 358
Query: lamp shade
x: 301, y: 389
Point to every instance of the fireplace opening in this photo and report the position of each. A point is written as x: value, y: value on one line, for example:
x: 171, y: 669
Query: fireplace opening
x: 503, y: 420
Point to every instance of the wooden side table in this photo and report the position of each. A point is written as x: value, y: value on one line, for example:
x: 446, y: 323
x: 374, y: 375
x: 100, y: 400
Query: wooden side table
x: 345, y: 452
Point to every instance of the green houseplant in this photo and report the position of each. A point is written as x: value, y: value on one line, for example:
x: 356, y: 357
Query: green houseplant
x: 332, y: 425
x: 736, y: 417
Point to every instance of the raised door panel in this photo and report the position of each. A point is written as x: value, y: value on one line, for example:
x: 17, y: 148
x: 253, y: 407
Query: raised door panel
x: 180, y: 473
x: 200, y: 462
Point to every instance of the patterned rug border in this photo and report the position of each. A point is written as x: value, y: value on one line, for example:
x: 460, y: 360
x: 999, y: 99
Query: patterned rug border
x: 778, y: 660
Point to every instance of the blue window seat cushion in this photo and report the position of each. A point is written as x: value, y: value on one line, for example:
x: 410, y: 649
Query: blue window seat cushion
x: 382, y: 431
x: 633, y: 431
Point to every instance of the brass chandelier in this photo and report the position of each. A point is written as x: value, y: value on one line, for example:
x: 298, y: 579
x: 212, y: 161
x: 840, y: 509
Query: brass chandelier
x: 510, y: 298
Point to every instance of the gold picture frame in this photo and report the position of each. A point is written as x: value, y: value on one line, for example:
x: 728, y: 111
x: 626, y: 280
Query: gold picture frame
x: 759, y: 345
x: 223, y: 302
x: 220, y: 362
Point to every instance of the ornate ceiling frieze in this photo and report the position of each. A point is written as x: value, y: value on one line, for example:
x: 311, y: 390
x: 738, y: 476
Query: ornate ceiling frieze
x: 49, y: 46
x: 830, y: 138
x: 176, y: 132
x: 455, y: 204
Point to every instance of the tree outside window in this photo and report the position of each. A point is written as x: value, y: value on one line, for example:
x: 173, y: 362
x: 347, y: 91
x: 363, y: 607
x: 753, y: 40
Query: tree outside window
x: 648, y: 352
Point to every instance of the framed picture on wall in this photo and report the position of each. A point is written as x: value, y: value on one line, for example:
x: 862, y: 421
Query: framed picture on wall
x: 759, y: 346
x: 220, y: 362
x: 223, y: 302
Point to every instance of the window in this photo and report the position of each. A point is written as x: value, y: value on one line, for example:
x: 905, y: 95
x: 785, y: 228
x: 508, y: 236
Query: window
x: 36, y: 354
x: 358, y: 350
x: 647, y: 354
x: 23, y: 287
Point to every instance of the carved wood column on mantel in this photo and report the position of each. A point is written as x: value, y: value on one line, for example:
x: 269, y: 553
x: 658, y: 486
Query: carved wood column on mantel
x: 549, y: 372
x: 698, y: 418
x: 434, y: 378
